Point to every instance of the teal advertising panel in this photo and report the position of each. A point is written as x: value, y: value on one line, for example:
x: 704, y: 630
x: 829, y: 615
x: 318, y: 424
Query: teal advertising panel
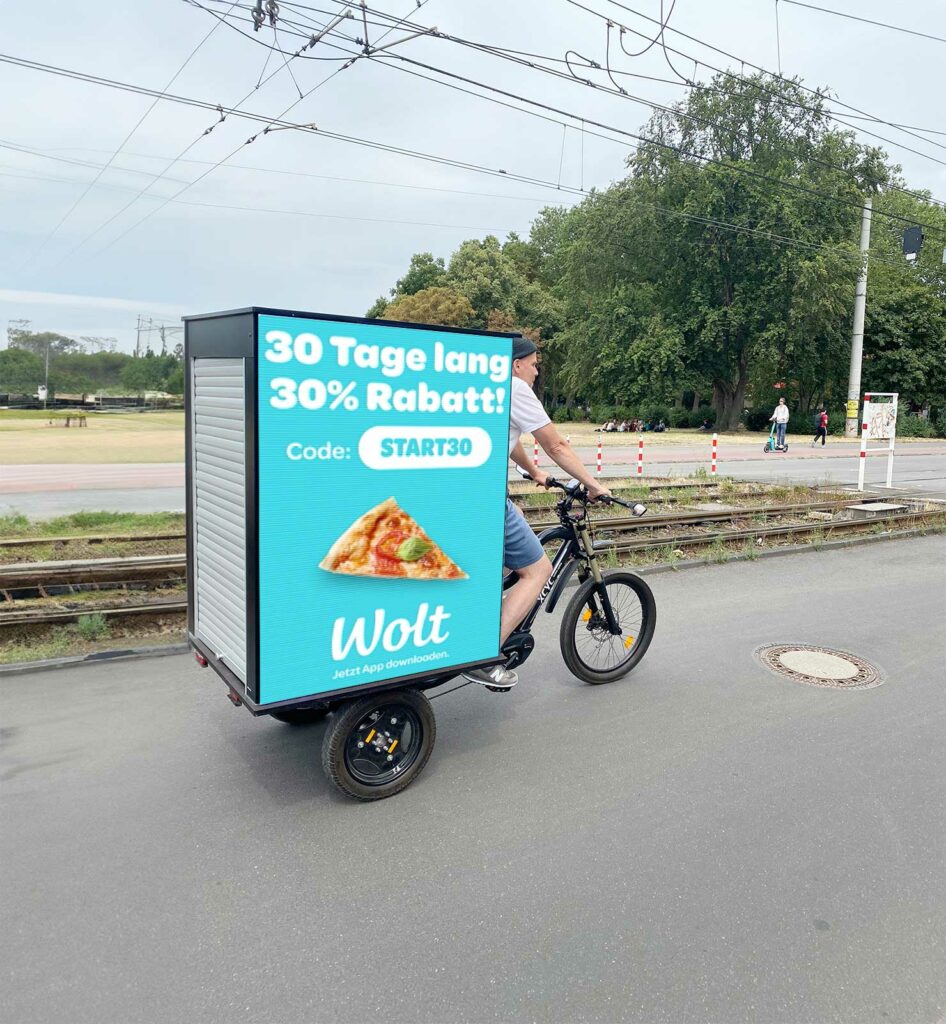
x: 382, y: 463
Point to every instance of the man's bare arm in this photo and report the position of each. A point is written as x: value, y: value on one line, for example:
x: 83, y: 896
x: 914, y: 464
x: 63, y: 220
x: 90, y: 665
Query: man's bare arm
x: 518, y: 455
x: 562, y: 454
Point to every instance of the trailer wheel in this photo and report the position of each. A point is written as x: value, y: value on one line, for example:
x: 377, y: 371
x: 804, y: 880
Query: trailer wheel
x: 377, y: 746
x: 300, y: 716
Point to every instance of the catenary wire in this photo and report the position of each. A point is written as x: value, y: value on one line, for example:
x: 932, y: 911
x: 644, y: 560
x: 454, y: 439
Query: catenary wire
x: 295, y: 103
x: 51, y: 234
x: 866, y: 21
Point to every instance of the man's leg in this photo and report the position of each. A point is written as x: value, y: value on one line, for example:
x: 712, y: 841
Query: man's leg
x: 522, y: 553
x: 521, y: 596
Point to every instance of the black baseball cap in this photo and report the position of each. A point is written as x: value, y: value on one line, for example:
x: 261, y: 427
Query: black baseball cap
x: 522, y: 347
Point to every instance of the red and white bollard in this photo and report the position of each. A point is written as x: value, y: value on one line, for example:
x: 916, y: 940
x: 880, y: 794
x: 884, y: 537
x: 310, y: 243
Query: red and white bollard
x: 713, y: 465
x: 863, y: 459
x: 599, y: 456
x: 535, y: 454
x: 640, y: 454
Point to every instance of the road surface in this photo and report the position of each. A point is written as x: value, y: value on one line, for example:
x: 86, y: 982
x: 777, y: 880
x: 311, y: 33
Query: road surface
x: 46, y: 491
x: 701, y: 841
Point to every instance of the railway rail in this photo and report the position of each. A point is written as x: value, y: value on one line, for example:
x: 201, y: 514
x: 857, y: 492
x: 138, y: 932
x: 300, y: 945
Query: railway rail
x: 631, y: 536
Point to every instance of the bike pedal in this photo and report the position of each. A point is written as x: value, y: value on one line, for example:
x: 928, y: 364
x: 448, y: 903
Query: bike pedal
x: 499, y: 689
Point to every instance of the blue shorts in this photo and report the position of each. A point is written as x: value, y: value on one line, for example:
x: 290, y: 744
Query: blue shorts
x: 521, y: 547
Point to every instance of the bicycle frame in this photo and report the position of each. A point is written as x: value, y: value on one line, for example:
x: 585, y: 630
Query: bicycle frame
x: 577, y: 551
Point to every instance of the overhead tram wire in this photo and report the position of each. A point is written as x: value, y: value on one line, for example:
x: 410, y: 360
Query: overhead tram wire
x: 261, y: 170
x: 792, y: 186
x: 242, y: 145
x: 513, y: 53
x: 121, y: 146
x: 470, y: 92
x: 466, y: 165
x: 270, y: 210
x: 294, y: 5
x: 162, y: 173
x: 772, y: 75
x: 866, y: 21
x: 656, y: 78
x: 499, y: 53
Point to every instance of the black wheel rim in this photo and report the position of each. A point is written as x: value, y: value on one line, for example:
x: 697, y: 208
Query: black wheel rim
x: 384, y: 744
x: 596, y: 646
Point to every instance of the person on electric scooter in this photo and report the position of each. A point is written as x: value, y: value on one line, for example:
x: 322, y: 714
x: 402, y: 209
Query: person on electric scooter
x: 780, y: 415
x: 522, y: 552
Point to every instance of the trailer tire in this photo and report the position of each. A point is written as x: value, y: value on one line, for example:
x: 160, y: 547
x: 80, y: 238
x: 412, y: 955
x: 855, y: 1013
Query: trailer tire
x: 360, y: 768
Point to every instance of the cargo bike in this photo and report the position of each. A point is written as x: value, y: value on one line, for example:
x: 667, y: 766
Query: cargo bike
x: 378, y: 735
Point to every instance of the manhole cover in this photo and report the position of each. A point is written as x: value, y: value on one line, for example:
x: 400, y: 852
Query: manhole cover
x: 820, y: 666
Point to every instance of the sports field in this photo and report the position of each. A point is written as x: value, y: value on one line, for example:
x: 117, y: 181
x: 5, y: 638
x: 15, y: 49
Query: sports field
x: 29, y: 438
x: 33, y: 438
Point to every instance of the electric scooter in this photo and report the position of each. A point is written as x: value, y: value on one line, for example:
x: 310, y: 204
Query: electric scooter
x: 771, y: 445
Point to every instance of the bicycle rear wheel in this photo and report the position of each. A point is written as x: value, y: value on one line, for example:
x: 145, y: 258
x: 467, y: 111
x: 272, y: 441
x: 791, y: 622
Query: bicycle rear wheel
x: 591, y: 651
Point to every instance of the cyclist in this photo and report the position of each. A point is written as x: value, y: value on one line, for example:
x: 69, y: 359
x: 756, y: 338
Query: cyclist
x: 522, y: 551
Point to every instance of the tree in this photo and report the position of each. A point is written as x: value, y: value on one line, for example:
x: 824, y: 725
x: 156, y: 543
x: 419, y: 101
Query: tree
x: 424, y: 272
x: 37, y: 342
x: 736, y: 285
x: 21, y: 372
x: 432, y: 306
x: 376, y: 312
x: 479, y: 271
x: 143, y: 374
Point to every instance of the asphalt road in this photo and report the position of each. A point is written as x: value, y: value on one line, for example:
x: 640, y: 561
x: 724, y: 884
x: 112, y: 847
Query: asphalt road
x: 701, y: 841
x: 43, y: 492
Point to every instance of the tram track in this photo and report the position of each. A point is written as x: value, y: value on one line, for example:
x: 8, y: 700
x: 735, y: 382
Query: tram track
x: 44, y: 593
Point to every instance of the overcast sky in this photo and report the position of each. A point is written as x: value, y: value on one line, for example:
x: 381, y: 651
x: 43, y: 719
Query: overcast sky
x: 302, y: 221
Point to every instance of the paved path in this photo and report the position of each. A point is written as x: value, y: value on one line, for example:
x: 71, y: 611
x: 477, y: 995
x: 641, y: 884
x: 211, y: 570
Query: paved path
x: 702, y: 841
x: 52, y: 490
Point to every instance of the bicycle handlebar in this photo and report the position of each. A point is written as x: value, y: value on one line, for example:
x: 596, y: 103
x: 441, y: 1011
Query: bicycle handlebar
x: 576, y: 490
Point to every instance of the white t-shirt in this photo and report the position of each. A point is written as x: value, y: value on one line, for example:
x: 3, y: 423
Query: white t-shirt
x: 781, y: 414
x: 525, y: 412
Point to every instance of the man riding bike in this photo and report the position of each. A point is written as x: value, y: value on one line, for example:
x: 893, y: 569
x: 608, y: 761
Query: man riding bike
x: 522, y: 551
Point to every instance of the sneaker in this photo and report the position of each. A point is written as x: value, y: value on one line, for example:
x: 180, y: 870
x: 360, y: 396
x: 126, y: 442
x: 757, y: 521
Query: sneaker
x: 496, y: 678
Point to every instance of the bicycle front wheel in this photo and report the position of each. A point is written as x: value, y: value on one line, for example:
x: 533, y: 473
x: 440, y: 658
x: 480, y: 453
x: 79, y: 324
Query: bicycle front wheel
x: 591, y: 651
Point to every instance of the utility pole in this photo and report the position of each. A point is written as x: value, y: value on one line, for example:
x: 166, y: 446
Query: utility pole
x: 138, y: 337
x: 851, y: 422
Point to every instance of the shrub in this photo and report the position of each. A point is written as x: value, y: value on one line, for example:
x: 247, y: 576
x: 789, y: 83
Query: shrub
x: 92, y: 627
x: 757, y: 419
x: 680, y: 418
x: 601, y: 413
x: 914, y: 426
x: 697, y: 417
x: 560, y: 415
x: 655, y: 413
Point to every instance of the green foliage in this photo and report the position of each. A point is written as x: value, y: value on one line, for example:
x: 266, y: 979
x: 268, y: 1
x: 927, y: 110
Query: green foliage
x: 678, y: 279
x: 376, y: 312
x: 21, y: 372
x: 92, y: 627
x: 915, y: 426
x: 432, y: 306
x: 424, y: 272
x: 73, y: 370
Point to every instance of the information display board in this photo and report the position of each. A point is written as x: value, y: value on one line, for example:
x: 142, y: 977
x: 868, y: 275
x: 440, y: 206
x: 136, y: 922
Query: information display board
x: 381, y: 477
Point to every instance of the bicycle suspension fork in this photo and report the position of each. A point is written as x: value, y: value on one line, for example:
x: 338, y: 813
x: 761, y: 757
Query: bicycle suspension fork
x: 599, y: 588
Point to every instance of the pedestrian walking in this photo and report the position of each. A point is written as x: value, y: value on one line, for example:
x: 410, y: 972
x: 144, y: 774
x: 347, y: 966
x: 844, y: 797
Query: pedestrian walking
x: 821, y: 428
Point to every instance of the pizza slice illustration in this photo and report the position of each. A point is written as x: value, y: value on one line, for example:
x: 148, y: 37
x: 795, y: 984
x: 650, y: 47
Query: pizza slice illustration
x: 386, y: 542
